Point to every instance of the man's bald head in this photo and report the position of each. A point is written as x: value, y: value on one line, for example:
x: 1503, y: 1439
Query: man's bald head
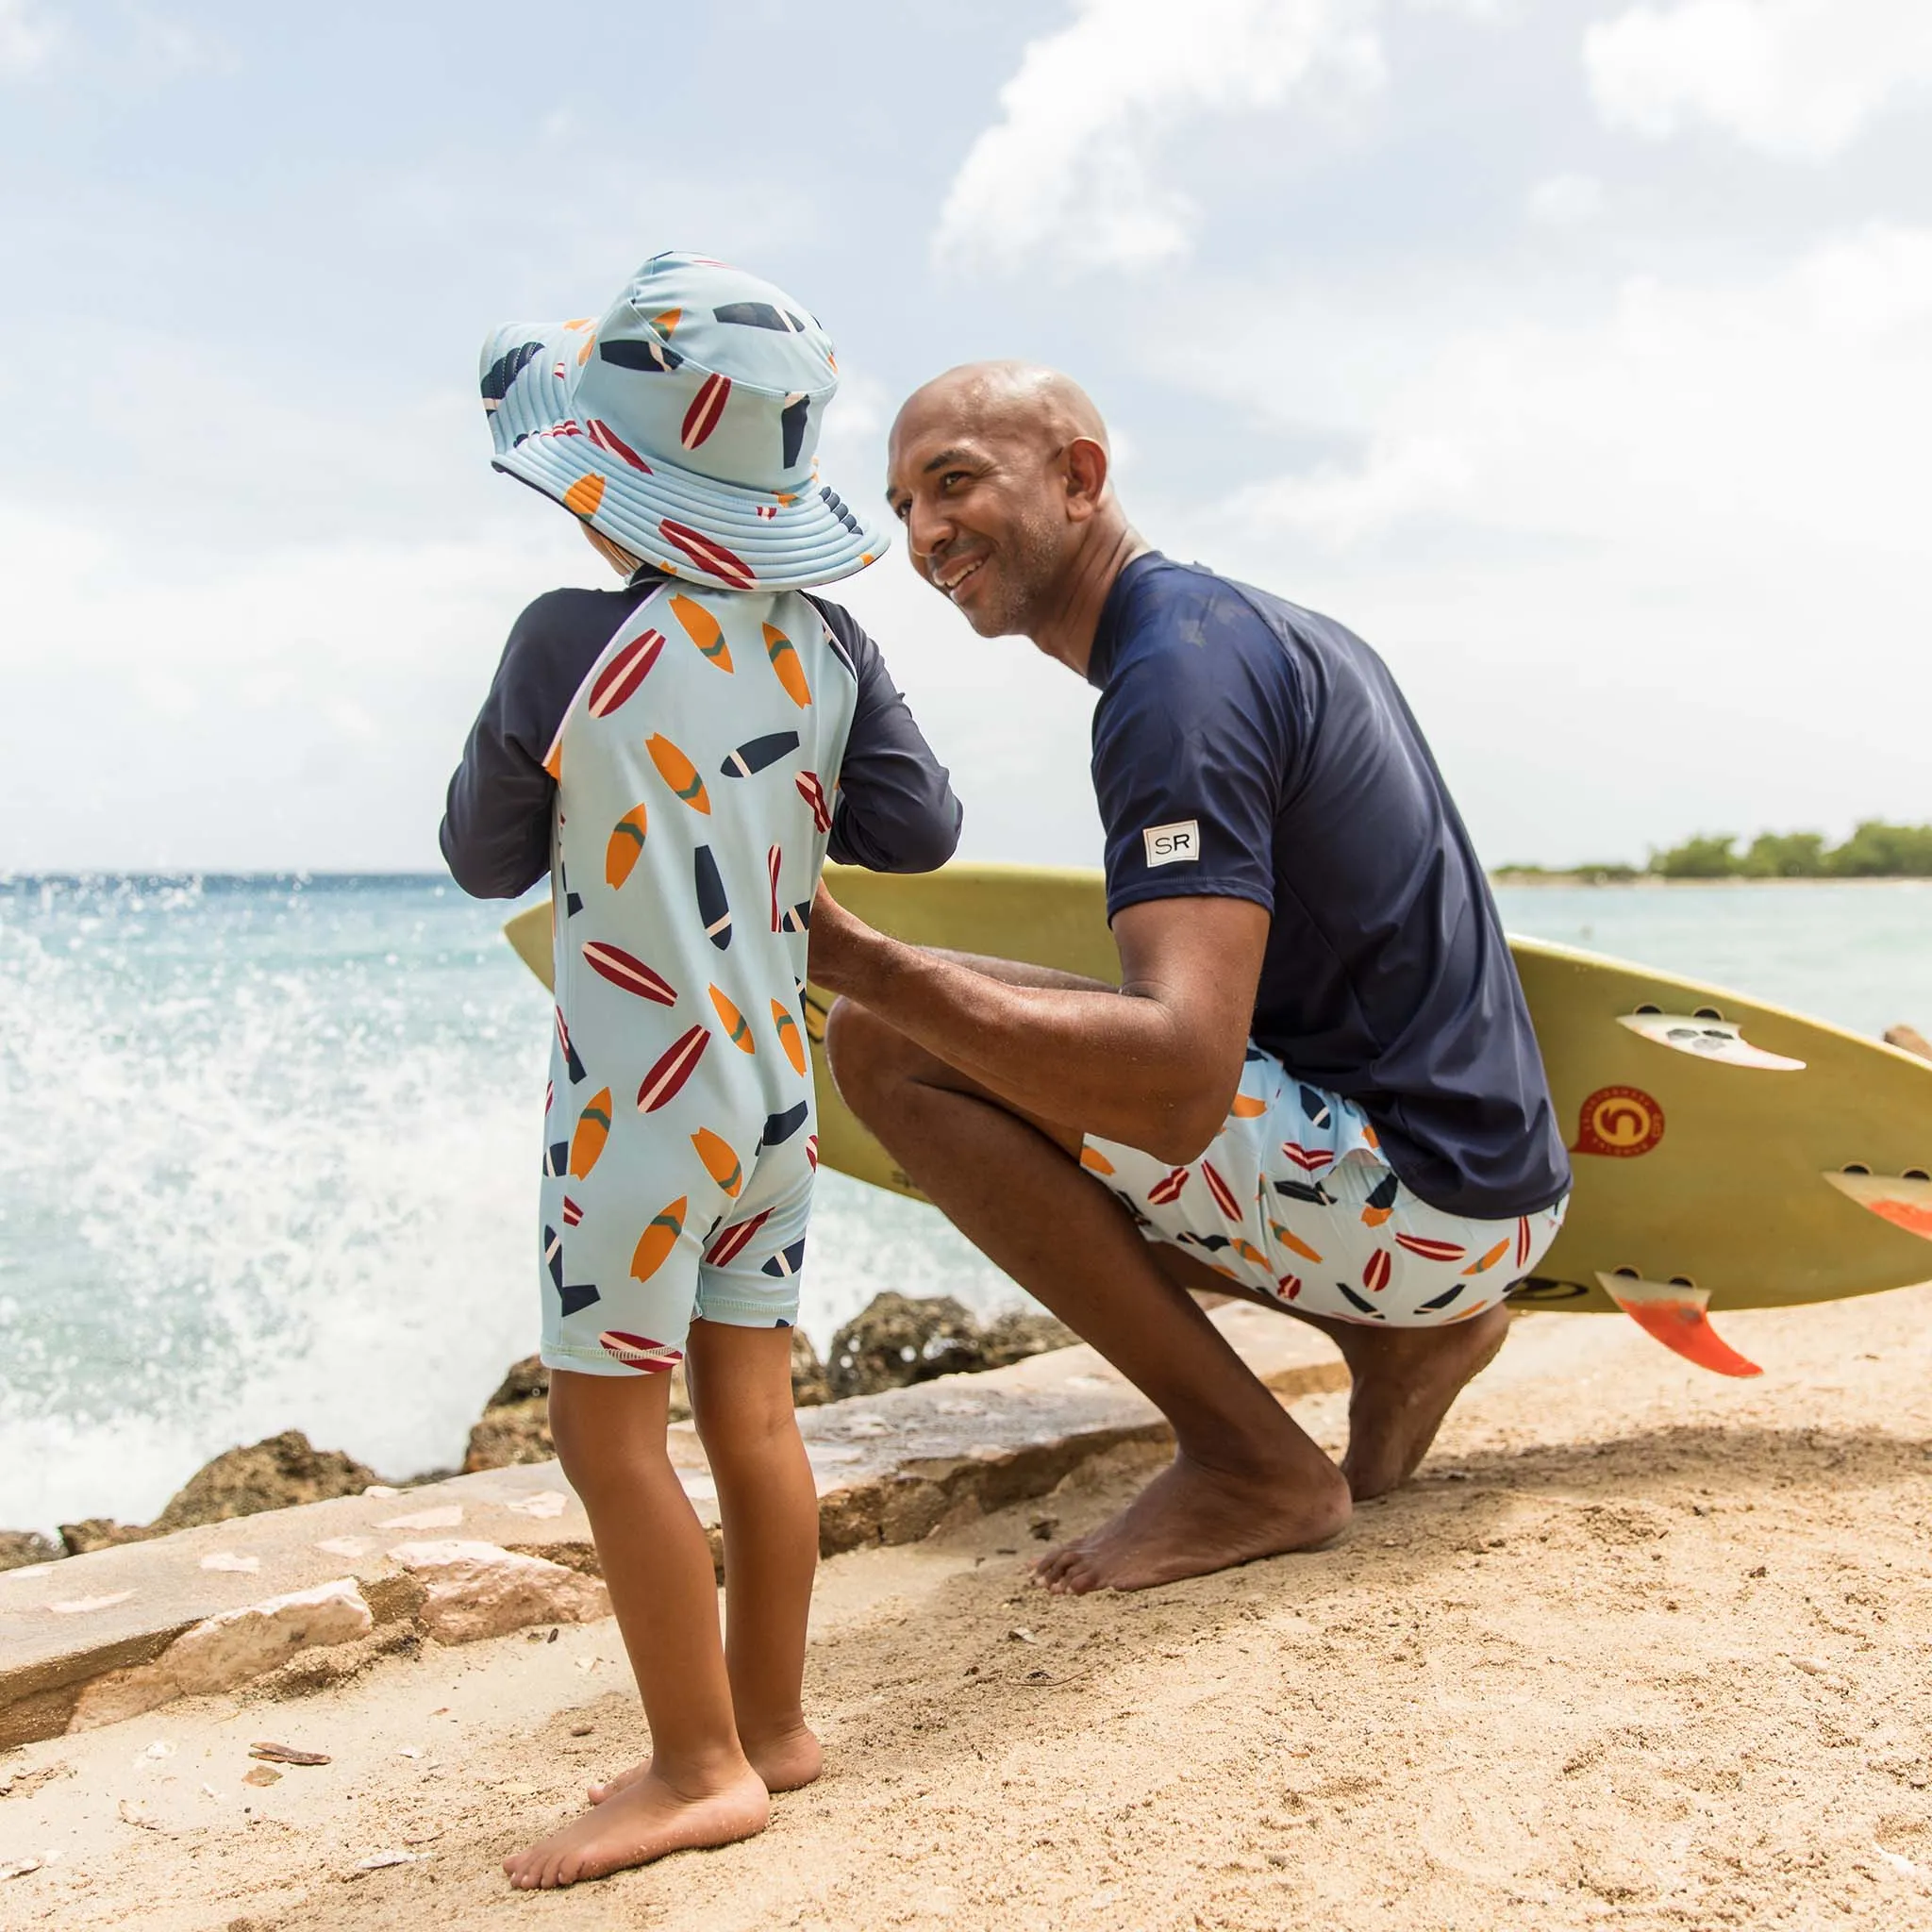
x: 999, y: 472
x: 1024, y: 400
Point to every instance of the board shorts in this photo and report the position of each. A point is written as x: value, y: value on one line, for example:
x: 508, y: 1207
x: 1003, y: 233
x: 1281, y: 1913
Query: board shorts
x: 695, y: 769
x: 1294, y: 1199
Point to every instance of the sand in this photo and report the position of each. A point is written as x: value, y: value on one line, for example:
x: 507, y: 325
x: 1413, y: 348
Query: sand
x: 1642, y: 1647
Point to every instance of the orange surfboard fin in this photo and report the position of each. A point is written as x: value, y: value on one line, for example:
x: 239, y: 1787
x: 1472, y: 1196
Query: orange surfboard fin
x: 1674, y: 1313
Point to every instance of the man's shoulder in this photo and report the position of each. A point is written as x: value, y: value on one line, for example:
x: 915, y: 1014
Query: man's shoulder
x: 1169, y: 609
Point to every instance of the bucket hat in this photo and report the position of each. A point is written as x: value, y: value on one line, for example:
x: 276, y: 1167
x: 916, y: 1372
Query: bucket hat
x: 684, y: 427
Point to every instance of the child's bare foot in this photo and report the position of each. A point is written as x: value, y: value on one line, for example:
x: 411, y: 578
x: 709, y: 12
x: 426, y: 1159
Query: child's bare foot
x: 784, y: 1762
x: 789, y: 1760
x: 642, y: 1821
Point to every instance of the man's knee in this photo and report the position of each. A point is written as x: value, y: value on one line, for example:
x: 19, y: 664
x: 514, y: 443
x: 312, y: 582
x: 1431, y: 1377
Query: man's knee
x: 868, y: 1057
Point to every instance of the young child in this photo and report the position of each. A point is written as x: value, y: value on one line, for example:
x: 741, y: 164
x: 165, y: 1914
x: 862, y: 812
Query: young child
x: 680, y: 756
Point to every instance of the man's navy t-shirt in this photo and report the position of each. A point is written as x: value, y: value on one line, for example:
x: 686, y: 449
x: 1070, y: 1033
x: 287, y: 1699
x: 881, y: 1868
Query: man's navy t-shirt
x: 1247, y: 749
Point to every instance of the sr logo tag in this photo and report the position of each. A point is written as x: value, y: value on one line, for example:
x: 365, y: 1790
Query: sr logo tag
x: 1170, y: 844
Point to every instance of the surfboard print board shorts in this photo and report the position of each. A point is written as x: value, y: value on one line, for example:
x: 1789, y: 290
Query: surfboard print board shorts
x: 695, y: 769
x: 1294, y: 1198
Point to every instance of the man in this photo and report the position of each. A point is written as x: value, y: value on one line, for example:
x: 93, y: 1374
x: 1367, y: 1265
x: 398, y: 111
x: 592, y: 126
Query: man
x: 1317, y: 1083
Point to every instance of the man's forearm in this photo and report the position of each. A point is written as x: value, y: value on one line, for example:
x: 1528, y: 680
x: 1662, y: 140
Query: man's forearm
x: 1121, y: 1065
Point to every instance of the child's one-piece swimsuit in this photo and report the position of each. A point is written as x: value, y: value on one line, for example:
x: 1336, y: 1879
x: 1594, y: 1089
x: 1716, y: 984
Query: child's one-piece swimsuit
x: 695, y: 771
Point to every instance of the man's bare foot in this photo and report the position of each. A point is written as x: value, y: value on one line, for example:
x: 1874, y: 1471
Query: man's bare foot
x: 643, y: 1820
x: 1404, y: 1381
x: 786, y: 1761
x: 1191, y: 1520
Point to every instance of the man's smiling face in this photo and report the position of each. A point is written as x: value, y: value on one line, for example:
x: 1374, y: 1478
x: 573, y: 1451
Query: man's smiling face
x: 983, y: 498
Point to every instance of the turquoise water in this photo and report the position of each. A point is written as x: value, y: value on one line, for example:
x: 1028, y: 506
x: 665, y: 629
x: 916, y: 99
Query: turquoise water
x: 268, y: 1154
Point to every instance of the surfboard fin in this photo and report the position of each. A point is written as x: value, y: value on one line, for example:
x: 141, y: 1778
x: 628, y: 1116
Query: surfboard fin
x: 1707, y: 1037
x: 1674, y: 1312
x: 1905, y: 1200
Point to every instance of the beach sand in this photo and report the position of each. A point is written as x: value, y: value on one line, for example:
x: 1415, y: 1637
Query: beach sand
x: 1642, y: 1647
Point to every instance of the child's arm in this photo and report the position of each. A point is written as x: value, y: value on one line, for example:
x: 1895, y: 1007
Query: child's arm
x: 896, y: 809
x: 495, y: 833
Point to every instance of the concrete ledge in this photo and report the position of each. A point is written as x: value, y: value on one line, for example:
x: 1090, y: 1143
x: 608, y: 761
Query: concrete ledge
x: 95, y: 1639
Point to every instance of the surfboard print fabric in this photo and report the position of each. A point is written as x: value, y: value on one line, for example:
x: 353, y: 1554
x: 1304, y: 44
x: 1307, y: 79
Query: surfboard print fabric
x: 1293, y: 1198
x: 676, y: 1181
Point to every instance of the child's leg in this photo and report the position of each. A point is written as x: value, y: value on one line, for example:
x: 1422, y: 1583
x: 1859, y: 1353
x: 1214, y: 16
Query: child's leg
x: 741, y: 1391
x: 740, y: 1384
x: 697, y: 1789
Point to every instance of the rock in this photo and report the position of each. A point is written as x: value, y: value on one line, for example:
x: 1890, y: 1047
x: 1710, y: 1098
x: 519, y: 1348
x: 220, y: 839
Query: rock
x: 1019, y: 1333
x: 20, y: 1547
x: 810, y: 1385
x: 475, y: 1590
x: 1911, y: 1039
x: 226, y: 1650
x: 527, y: 1381
x: 274, y: 1474
x: 101, y: 1533
x: 896, y: 1340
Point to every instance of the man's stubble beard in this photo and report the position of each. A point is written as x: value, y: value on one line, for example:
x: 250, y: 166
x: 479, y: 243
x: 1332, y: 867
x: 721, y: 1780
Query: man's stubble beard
x: 1028, y: 574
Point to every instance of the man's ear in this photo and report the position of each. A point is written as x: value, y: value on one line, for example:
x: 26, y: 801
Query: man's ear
x: 1085, y: 463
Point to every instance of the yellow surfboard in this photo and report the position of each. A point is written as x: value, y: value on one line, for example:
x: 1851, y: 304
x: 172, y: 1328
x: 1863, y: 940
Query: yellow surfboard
x: 1728, y: 1154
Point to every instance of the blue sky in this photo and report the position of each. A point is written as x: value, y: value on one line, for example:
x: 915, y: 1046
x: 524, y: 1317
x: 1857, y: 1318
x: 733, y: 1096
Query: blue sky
x: 1578, y: 353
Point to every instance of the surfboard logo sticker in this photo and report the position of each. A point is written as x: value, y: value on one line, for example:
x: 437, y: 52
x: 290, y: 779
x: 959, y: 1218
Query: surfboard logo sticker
x: 789, y: 1037
x: 713, y: 908
x: 703, y: 629
x: 592, y: 1130
x: 784, y: 657
x: 624, y: 969
x: 679, y: 772
x: 658, y: 1239
x: 735, y: 1239
x: 1620, y: 1122
x: 640, y: 1352
x: 814, y: 795
x: 673, y: 1068
x: 625, y: 842
x: 736, y: 1029
x: 754, y: 754
x: 618, y: 682
x: 720, y: 1160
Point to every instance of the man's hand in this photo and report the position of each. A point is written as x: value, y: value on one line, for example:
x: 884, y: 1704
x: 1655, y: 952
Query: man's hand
x: 1154, y: 1065
x: 839, y: 939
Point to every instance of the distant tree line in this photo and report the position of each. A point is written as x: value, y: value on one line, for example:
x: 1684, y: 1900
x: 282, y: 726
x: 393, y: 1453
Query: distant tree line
x: 1874, y: 851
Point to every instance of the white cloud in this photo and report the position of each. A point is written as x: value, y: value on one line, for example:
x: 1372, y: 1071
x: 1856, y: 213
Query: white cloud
x: 1794, y: 78
x: 1071, y: 169
x: 1566, y: 201
x: 1657, y: 568
x: 27, y: 38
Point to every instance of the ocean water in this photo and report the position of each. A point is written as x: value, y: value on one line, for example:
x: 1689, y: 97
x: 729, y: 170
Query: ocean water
x: 268, y: 1154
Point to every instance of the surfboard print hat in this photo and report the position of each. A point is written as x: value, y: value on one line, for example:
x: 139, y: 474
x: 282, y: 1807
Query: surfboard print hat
x: 684, y: 426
